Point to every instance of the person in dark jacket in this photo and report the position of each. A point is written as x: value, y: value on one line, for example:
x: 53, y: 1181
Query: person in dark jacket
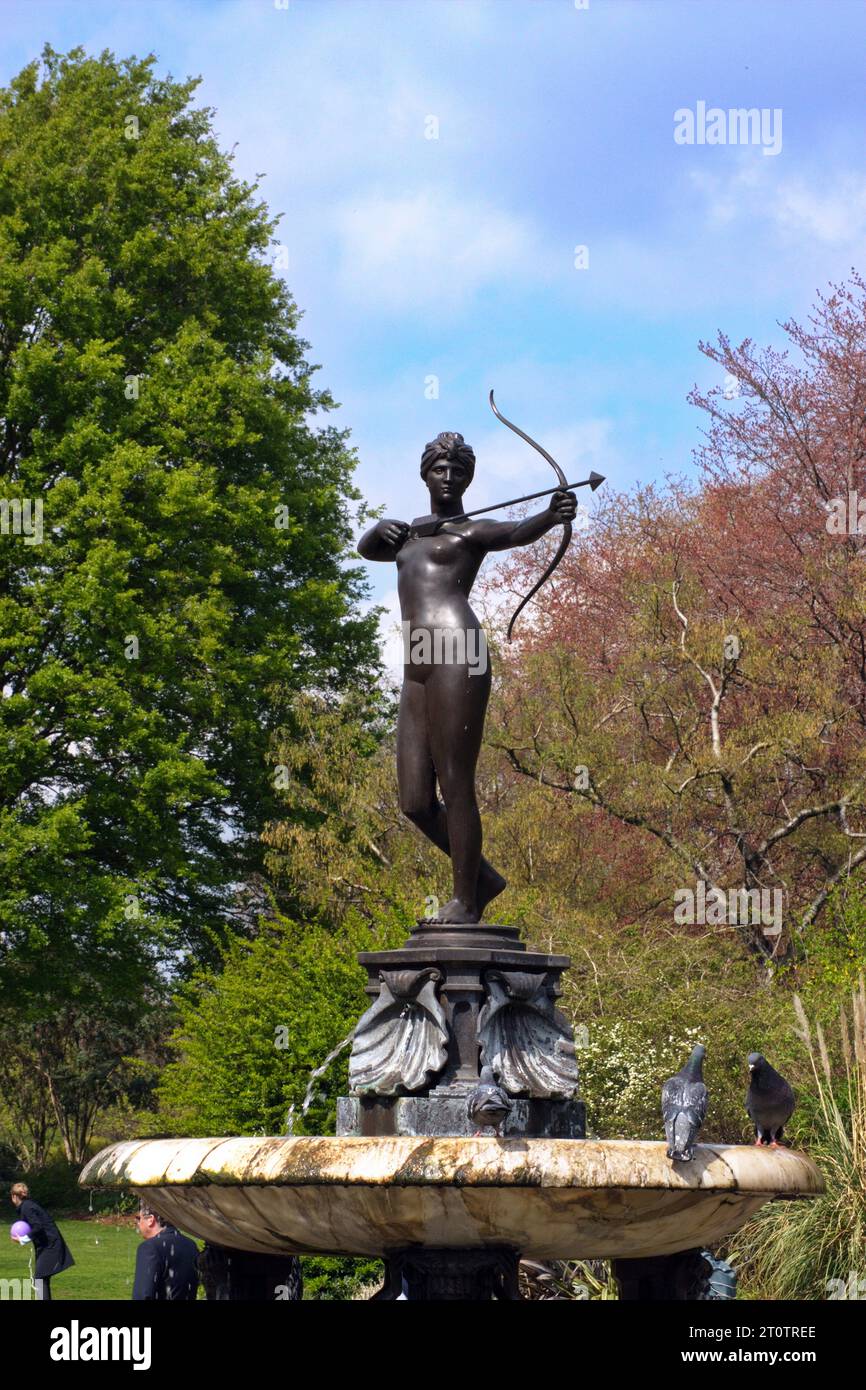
x: 165, y: 1263
x: 52, y: 1252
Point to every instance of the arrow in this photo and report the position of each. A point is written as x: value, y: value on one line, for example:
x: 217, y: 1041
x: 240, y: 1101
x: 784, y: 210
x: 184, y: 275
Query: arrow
x: 429, y: 525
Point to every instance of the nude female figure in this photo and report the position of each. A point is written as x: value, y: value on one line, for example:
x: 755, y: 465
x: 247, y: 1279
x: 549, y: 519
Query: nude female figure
x: 443, y: 703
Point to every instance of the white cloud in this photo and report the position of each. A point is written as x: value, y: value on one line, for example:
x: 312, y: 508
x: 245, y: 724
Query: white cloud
x: 751, y: 234
x: 725, y: 195
x: 835, y: 216
x: 431, y: 248
x: 578, y: 448
x: 829, y: 209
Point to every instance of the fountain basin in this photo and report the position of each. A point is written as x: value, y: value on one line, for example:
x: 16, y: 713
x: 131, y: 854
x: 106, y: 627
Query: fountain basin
x: 547, y: 1198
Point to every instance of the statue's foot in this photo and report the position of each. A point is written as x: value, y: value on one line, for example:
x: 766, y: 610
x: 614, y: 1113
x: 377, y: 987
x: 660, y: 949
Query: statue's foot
x: 456, y: 913
x: 490, y: 885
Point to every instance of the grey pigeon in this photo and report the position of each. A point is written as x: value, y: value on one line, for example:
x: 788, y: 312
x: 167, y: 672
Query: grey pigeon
x: 488, y: 1105
x: 684, y: 1106
x: 769, y: 1100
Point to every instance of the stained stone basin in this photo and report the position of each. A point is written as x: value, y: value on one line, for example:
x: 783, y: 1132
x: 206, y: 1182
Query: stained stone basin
x: 548, y: 1198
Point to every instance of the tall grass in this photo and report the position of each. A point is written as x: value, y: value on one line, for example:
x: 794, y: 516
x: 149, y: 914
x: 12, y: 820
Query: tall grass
x: 572, y: 1280
x: 794, y: 1250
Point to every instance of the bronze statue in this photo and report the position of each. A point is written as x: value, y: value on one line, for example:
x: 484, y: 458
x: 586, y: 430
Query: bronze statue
x: 446, y: 685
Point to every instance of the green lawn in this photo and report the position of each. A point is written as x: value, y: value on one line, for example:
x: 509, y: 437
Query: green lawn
x: 104, y: 1260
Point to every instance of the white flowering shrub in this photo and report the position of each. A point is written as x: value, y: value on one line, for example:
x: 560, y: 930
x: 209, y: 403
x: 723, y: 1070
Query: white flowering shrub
x: 621, y: 1074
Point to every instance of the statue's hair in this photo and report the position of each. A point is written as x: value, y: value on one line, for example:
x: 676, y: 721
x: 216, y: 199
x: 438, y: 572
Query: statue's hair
x: 448, y: 446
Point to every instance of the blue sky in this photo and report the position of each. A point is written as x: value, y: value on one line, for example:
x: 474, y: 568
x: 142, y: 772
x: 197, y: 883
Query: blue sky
x: 454, y: 257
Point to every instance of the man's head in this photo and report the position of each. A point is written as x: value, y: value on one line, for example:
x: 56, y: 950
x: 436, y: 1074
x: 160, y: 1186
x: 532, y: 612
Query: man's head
x: 149, y: 1222
x: 447, y: 467
x: 20, y: 1191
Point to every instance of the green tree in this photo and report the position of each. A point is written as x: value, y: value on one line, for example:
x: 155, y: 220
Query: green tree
x: 71, y: 1029
x: 174, y: 530
x: 252, y: 1031
x: 341, y: 843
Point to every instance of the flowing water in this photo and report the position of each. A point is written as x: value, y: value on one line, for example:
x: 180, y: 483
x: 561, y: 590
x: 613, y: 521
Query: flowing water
x: 314, y: 1078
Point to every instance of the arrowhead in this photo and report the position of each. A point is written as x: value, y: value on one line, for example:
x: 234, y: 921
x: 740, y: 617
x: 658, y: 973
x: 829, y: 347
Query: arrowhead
x: 595, y: 480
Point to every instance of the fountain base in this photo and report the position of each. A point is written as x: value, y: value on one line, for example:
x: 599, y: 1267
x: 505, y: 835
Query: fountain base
x: 554, y: 1199
x: 444, y: 1115
x: 464, y: 1276
x: 452, y: 1000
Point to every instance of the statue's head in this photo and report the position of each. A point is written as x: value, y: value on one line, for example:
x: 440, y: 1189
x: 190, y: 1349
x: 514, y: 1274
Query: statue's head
x: 447, y: 466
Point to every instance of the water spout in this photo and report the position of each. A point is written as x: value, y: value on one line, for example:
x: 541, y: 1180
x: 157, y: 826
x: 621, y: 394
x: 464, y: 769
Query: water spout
x: 315, y: 1074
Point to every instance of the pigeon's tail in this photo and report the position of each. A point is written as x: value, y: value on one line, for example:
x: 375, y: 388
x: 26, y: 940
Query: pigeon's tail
x: 681, y: 1136
x: 669, y: 1135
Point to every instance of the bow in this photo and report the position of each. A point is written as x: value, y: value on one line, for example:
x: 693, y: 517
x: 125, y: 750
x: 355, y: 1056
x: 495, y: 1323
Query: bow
x: 566, y: 528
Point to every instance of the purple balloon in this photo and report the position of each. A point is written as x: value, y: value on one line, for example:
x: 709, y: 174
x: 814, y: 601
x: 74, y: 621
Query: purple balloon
x: 19, y: 1229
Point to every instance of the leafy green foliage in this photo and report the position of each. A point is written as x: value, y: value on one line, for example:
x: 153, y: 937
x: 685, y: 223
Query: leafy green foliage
x: 55, y: 1187
x: 329, y: 1279
x: 340, y: 843
x: 155, y: 401
x: 837, y: 949
x: 251, y: 1032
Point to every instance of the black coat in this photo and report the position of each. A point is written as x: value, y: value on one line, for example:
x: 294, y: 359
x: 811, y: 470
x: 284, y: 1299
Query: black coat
x: 52, y: 1252
x: 166, y: 1267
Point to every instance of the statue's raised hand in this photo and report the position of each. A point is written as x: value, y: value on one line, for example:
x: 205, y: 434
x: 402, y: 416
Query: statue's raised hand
x: 563, y: 505
x: 383, y: 540
x: 392, y: 533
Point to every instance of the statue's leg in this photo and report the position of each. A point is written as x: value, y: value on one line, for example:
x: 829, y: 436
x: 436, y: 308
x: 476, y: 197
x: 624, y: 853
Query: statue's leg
x: 456, y: 706
x: 416, y: 778
x: 416, y: 775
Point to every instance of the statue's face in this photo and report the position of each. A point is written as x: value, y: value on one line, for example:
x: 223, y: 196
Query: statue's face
x: 447, y: 481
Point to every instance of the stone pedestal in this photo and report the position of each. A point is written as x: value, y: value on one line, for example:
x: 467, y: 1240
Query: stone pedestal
x: 443, y: 1275
x: 237, y: 1276
x: 684, y: 1276
x: 452, y: 1000
x: 444, y: 1114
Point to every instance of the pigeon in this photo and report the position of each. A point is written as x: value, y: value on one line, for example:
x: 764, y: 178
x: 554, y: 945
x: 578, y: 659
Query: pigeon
x: 769, y: 1101
x: 488, y: 1105
x: 684, y: 1106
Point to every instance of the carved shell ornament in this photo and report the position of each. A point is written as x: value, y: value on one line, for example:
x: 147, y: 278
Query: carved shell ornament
x: 402, y: 1038
x: 524, y: 1038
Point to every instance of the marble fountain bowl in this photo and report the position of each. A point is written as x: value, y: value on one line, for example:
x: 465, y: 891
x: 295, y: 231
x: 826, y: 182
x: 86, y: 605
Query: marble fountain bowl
x: 548, y: 1198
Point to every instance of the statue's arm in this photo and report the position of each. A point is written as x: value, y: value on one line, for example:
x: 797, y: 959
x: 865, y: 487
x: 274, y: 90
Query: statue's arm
x: 503, y: 535
x: 383, y: 540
